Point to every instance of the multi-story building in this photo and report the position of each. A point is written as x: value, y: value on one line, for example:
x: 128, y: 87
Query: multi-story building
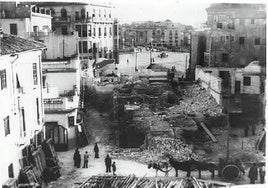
x: 94, y: 24
x: 237, y: 35
x: 24, y: 20
x: 22, y: 110
x: 158, y: 34
x: 231, y: 51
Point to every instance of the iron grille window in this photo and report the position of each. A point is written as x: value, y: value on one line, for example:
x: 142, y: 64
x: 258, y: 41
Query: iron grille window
x: 3, y: 79
x: 6, y: 126
x: 35, y: 78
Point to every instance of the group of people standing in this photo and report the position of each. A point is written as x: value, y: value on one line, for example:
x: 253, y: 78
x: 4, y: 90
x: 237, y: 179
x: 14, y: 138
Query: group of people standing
x: 108, y: 160
x: 253, y: 173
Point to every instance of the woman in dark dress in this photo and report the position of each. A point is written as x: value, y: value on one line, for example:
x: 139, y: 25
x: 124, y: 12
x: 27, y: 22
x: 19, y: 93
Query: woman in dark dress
x: 96, y: 150
x: 77, y: 158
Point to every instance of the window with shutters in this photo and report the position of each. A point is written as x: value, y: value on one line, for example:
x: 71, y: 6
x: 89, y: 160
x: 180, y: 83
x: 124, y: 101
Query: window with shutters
x: 84, y: 30
x: 78, y: 29
x: 257, y: 41
x: 76, y: 15
x: 10, y: 171
x: 247, y: 81
x: 6, y: 126
x: 219, y: 25
x: 13, y: 29
x: 85, y: 47
x: 225, y: 57
x: 241, y: 40
x: 80, y: 47
x: 71, y: 121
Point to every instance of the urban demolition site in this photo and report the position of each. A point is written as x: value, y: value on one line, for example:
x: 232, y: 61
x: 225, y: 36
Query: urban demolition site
x: 152, y: 120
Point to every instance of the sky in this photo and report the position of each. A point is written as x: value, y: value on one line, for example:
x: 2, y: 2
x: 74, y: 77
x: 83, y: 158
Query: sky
x: 188, y: 12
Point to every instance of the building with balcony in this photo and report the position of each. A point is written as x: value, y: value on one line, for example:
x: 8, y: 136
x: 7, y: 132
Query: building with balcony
x: 160, y: 34
x: 22, y: 109
x: 94, y: 24
x: 24, y: 20
x: 61, y: 88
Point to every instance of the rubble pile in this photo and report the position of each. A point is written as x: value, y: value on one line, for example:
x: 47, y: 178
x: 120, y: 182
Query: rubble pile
x: 198, y: 100
x: 158, y: 147
x: 177, y: 148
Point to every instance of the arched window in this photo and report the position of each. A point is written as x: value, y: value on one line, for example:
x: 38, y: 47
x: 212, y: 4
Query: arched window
x: 83, y: 14
x: 63, y: 12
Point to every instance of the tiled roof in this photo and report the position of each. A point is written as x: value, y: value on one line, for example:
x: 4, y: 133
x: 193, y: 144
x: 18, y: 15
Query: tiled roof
x: 12, y: 44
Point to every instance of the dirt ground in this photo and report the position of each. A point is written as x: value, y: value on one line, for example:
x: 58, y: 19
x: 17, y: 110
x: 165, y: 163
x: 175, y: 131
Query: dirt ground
x: 99, y: 125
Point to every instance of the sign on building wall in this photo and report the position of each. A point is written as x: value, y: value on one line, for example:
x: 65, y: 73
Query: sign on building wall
x: 53, y: 101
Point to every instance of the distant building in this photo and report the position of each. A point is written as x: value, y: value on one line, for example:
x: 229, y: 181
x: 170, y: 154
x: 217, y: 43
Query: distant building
x: 235, y: 36
x: 238, y: 30
x: 164, y: 34
x: 22, y: 109
x: 93, y: 22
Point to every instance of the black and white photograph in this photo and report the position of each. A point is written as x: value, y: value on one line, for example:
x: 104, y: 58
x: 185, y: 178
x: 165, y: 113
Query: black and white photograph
x: 133, y: 94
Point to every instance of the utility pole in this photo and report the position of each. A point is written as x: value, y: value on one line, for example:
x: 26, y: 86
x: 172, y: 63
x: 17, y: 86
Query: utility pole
x: 228, y: 100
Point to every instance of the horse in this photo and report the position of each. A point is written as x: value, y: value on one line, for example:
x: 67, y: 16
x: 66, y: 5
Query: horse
x: 186, y: 166
x: 192, y: 165
x: 205, y: 166
x: 159, y: 166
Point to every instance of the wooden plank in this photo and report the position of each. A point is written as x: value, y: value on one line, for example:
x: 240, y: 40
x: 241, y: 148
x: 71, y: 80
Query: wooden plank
x: 208, y: 132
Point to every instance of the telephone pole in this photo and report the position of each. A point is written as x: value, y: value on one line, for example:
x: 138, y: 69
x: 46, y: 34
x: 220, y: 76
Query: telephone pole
x: 228, y: 100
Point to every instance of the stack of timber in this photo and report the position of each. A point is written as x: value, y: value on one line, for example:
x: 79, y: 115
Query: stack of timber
x: 38, y: 165
x: 132, y: 181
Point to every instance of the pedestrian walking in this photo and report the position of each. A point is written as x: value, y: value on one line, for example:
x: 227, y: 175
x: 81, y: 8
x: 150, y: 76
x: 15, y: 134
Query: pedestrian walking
x: 108, y: 163
x: 262, y: 173
x: 113, y: 168
x: 77, y: 158
x: 253, y: 174
x: 96, y: 150
x: 86, y: 156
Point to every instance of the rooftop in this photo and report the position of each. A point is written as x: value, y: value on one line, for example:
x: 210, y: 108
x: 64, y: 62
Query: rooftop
x: 13, y: 44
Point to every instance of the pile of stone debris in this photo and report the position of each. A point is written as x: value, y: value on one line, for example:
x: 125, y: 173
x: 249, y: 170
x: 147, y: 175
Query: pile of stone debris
x: 198, y: 100
x: 158, y: 147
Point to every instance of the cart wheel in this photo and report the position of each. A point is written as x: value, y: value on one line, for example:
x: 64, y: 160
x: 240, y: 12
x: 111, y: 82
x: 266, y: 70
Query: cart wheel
x: 230, y: 172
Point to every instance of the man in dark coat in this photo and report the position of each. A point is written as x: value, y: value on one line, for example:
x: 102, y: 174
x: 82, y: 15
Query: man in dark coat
x: 96, y: 150
x: 108, y: 163
x: 77, y: 158
x: 253, y: 174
